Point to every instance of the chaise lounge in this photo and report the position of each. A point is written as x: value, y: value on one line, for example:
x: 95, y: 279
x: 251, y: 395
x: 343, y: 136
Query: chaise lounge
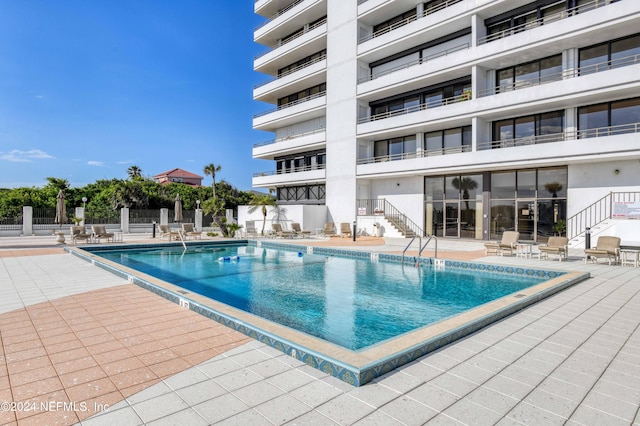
x: 166, y: 231
x: 345, y: 229
x: 607, y: 247
x: 79, y: 232
x: 277, y: 228
x: 100, y: 232
x: 558, y: 246
x: 189, y: 231
x: 299, y: 232
x: 507, y: 244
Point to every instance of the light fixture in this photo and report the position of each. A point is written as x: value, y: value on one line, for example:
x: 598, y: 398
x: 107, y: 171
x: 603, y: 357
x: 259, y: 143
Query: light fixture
x: 198, y: 204
x: 616, y: 171
x: 84, y: 202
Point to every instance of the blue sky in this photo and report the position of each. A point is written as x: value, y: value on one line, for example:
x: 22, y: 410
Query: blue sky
x: 90, y: 88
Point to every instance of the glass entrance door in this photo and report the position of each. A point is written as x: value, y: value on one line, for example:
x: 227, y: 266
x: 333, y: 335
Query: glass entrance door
x: 452, y: 220
x: 527, y: 219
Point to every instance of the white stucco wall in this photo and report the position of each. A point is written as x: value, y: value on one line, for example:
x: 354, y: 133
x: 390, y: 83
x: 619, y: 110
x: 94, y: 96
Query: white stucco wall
x: 310, y: 217
x: 406, y: 194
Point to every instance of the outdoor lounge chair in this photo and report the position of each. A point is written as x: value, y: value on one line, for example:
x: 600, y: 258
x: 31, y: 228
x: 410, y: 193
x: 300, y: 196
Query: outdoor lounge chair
x: 345, y: 229
x: 329, y: 229
x: 555, y: 245
x: 298, y: 231
x: 79, y: 232
x: 607, y: 246
x: 508, y: 243
x: 100, y: 231
x: 250, y: 229
x: 189, y: 231
x: 277, y: 228
x: 166, y: 231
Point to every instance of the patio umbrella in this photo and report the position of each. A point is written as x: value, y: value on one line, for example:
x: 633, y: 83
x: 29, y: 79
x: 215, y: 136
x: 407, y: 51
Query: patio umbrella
x: 178, y: 210
x: 61, y: 209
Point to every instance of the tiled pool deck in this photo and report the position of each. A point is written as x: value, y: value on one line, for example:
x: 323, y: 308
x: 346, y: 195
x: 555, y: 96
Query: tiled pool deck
x: 74, y: 333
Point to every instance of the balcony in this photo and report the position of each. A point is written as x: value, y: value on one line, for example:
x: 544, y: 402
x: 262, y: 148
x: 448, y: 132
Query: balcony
x: 294, y: 112
x: 306, y: 75
x: 290, y: 144
x: 291, y: 50
x: 418, y: 154
x: 595, y: 4
x: 421, y: 107
x: 304, y: 174
x: 288, y: 20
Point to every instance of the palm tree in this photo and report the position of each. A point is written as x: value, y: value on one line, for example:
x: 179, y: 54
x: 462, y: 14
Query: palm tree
x: 211, y: 169
x: 465, y: 184
x: 134, y: 172
x: 262, y: 201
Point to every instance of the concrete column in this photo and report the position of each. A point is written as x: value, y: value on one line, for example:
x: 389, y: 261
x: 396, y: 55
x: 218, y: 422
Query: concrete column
x: 342, y: 74
x: 478, y: 29
x: 124, y: 219
x: 570, y: 61
x: 79, y: 213
x: 478, y: 81
x: 419, y: 144
x: 571, y: 123
x: 198, y: 220
x: 164, y: 216
x: 27, y: 221
x: 420, y: 10
x: 479, y: 133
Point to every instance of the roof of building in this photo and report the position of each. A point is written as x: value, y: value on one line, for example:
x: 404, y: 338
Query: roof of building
x: 178, y: 173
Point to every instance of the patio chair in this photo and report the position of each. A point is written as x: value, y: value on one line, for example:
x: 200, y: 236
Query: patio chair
x: 100, y: 231
x: 329, y: 229
x: 508, y: 243
x: 298, y: 231
x: 189, y: 231
x: 555, y: 245
x: 607, y: 246
x: 345, y: 229
x: 277, y: 229
x: 166, y: 231
x: 250, y: 228
x: 79, y: 232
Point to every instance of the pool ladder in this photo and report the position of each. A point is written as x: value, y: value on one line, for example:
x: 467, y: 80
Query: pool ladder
x: 422, y: 247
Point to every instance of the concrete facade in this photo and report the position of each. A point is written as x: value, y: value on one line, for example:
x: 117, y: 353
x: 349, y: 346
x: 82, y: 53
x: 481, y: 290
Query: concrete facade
x: 361, y: 89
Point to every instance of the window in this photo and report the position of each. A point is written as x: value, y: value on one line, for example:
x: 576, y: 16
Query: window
x: 301, y: 162
x: 395, y: 149
x: 293, y: 67
x: 526, y: 17
x: 530, y: 73
x: 609, y: 118
x: 612, y: 54
x: 310, y: 194
x: 523, y: 130
x: 396, y: 21
x: 448, y: 141
x: 302, y: 95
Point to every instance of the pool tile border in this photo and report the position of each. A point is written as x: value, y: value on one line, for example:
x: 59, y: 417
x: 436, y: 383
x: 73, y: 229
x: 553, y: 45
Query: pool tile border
x: 356, y: 375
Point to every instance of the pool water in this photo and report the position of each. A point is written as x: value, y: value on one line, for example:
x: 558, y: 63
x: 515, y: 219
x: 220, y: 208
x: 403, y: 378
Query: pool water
x: 353, y: 303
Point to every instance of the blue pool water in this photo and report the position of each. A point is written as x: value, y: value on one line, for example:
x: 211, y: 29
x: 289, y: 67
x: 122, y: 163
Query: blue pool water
x: 354, y: 303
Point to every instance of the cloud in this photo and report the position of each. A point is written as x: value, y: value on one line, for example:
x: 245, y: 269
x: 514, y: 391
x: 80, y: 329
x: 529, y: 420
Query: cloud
x: 20, y: 156
x: 95, y: 163
x: 124, y: 162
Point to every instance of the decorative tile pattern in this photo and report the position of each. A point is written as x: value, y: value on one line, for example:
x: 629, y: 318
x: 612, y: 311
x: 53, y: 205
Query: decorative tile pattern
x: 350, y: 374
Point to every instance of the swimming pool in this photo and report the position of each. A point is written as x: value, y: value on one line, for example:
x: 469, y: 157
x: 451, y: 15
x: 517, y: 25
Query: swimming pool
x: 337, y: 310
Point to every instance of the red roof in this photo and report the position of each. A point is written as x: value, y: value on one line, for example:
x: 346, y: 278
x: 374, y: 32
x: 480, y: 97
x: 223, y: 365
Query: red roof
x: 178, y: 173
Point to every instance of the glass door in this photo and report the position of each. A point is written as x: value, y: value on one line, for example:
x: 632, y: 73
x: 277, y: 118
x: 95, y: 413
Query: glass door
x: 452, y: 220
x: 527, y: 211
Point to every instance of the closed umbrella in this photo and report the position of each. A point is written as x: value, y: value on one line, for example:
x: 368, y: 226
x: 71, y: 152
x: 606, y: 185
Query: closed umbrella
x: 178, y: 210
x: 61, y: 209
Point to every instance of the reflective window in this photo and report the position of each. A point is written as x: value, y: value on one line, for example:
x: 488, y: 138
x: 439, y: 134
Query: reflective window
x: 434, y: 188
x: 530, y: 73
x: 552, y: 183
x: 526, y: 180
x: 503, y: 185
x: 612, y: 54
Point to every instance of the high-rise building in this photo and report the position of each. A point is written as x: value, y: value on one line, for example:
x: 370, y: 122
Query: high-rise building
x: 457, y: 118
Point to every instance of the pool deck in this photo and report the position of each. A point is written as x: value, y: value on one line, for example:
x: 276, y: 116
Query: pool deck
x: 80, y: 339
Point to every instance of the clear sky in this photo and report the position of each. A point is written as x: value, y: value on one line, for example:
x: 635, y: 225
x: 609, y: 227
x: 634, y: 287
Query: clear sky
x: 90, y: 88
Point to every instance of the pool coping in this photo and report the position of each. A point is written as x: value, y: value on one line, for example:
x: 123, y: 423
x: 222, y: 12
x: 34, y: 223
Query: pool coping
x: 354, y: 367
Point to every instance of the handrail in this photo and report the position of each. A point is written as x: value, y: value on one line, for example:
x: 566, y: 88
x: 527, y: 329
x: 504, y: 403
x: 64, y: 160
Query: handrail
x: 300, y: 33
x: 306, y: 168
x: 289, y: 137
x: 597, y: 212
x: 409, y: 245
x: 291, y: 71
x: 280, y: 13
x: 391, y: 213
x: 291, y: 104
x: 427, y: 243
x: 182, y: 238
x: 418, y: 154
x: 545, y: 20
x: 420, y: 107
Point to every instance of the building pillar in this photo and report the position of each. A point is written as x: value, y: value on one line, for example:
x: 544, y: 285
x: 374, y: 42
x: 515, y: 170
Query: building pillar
x: 79, y: 213
x: 420, y: 10
x: 486, y: 206
x: 571, y: 123
x: 198, y: 220
x: 27, y: 221
x: 164, y: 216
x: 478, y: 29
x: 124, y: 219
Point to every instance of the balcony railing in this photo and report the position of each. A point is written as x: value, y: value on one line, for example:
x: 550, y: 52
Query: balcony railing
x: 291, y: 104
x: 291, y: 71
x: 291, y: 170
x: 295, y: 36
x: 288, y: 138
x: 280, y: 13
x: 415, y: 62
x: 563, y: 75
x: 417, y: 154
x: 421, y: 107
x: 545, y: 20
x: 559, y: 137
x: 408, y: 20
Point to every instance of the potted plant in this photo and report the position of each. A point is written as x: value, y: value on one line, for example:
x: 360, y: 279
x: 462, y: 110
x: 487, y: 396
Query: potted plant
x: 559, y: 228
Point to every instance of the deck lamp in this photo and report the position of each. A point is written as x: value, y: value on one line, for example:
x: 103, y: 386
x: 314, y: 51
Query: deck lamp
x: 84, y: 202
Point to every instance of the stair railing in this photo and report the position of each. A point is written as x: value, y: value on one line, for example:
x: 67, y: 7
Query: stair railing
x: 597, y: 212
x: 380, y: 206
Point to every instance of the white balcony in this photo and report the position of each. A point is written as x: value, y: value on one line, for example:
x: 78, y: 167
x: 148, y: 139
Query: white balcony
x: 274, y: 178
x: 295, y: 112
x: 268, y: 8
x: 290, y: 145
x: 288, y: 20
x: 309, y: 75
x: 297, y: 48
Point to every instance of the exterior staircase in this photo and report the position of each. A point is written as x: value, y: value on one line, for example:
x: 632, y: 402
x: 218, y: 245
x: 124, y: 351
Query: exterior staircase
x: 598, y: 217
x: 398, y: 220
